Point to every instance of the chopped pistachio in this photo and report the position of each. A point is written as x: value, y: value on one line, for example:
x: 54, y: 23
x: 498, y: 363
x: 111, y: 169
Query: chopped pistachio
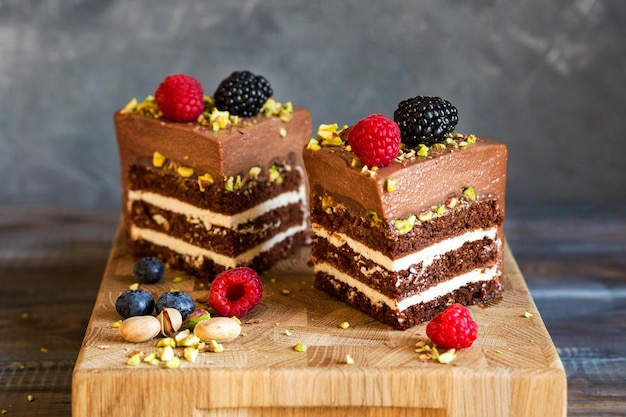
x: 426, y: 216
x: 219, y: 119
x: 422, y: 150
x: 327, y: 202
x: 116, y: 324
x: 204, y: 181
x: 313, y: 145
x: 229, y: 185
x: 452, y: 202
x: 439, y: 210
x: 287, y: 332
x: 151, y: 359
x: 181, y: 336
x: 190, y: 353
x: 404, y: 226
x: 275, y: 175
x: 176, y: 280
x: 133, y: 286
x: 173, y: 363
x: 344, y: 325
x: 135, y: 359
x: 470, y: 193
x: 527, y: 315
x: 254, y: 172
x: 130, y: 106
x: 333, y: 140
x: 447, y: 357
x: 166, y: 353
x: 167, y: 341
x: 184, y: 171
x: 282, y: 132
x: 216, y: 347
x: 158, y: 159
x: 300, y: 347
x: 285, y: 291
x: 349, y: 360
x: 471, y: 138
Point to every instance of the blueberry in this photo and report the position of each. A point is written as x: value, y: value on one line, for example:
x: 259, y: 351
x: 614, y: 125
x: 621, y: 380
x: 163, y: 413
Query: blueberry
x: 149, y: 270
x: 134, y: 303
x: 179, y: 300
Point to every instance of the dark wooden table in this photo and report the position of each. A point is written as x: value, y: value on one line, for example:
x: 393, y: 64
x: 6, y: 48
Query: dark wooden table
x: 51, y: 264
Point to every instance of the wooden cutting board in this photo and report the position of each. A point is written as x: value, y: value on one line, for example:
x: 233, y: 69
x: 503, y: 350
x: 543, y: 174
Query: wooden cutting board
x: 513, y: 368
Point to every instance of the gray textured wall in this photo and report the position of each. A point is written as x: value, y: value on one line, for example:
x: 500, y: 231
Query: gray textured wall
x: 545, y: 77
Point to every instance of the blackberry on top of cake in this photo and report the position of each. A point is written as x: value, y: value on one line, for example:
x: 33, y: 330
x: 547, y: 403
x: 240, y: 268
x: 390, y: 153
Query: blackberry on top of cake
x: 406, y: 214
x: 211, y: 183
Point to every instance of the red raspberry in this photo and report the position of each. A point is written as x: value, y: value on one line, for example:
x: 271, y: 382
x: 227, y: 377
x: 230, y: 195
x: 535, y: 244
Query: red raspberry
x: 375, y: 140
x: 453, y: 329
x: 180, y: 97
x: 235, y: 292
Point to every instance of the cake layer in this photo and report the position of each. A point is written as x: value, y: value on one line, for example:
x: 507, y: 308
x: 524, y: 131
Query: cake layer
x: 205, y: 264
x: 397, y: 247
x: 479, y: 286
x: 146, y: 182
x: 199, y: 230
x: 415, y: 279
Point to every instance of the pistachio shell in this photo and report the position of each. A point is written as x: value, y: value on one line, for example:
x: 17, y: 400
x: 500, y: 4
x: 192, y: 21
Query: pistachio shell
x: 139, y: 328
x: 220, y: 329
x: 170, y: 321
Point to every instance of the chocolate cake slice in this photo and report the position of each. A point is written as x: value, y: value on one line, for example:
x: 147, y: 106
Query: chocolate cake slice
x: 216, y: 193
x: 403, y: 241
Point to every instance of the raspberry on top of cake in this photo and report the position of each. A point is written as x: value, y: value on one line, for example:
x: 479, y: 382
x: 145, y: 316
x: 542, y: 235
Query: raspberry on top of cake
x: 407, y: 215
x: 214, y: 182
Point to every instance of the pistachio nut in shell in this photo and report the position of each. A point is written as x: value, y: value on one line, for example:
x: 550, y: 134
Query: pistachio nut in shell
x: 220, y: 329
x: 170, y: 321
x: 139, y: 328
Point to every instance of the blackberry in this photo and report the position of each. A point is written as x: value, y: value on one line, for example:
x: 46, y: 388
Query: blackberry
x: 242, y: 94
x: 425, y: 120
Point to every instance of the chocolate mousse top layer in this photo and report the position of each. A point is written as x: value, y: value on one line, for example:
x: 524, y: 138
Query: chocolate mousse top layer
x: 411, y: 184
x: 256, y: 141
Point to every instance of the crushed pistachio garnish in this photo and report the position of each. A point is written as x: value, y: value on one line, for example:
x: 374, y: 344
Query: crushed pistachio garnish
x: 527, y: 315
x: 184, y: 171
x: 470, y: 193
x: 158, y: 159
x: 219, y: 119
x: 168, y: 341
x: 254, y: 172
x: 190, y: 353
x: 173, y: 363
x: 282, y: 132
x: 133, y: 286
x: 422, y: 150
x: 300, y: 347
x: 166, y: 354
x: 344, y: 325
x: 116, y: 324
x: 390, y: 184
x: 327, y: 202
x: 204, y: 181
x: 274, y: 175
x: 349, y: 360
x: 216, y: 347
x: 313, y: 145
x: 447, y: 357
x: 130, y: 106
x: 272, y: 107
x: 134, y: 359
x: 439, y: 210
x: 452, y: 202
x: 404, y: 226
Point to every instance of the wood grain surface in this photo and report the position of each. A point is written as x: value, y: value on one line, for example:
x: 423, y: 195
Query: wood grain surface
x: 513, y: 369
x: 52, y: 263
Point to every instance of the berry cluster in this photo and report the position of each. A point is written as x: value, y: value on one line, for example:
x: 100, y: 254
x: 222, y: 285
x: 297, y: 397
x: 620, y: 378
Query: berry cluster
x: 180, y: 97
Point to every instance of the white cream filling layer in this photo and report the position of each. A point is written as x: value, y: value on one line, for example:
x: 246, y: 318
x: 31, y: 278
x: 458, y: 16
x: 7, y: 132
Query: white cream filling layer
x: 425, y: 256
x: 210, y: 218
x: 198, y: 253
x: 441, y: 289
